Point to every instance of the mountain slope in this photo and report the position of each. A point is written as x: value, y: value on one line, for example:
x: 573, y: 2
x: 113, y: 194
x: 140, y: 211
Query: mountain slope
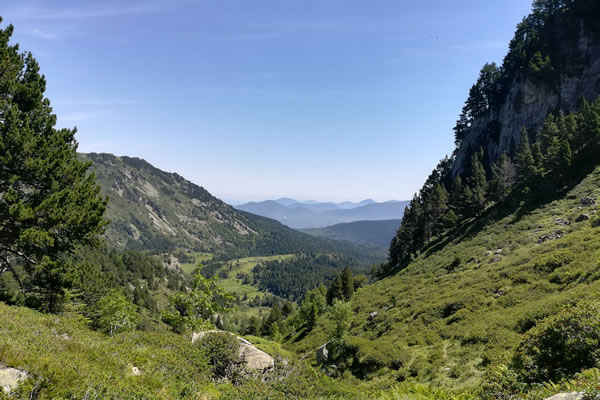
x: 368, y: 233
x: 465, y: 302
x: 553, y: 62
x: 317, y: 215
x: 159, y: 211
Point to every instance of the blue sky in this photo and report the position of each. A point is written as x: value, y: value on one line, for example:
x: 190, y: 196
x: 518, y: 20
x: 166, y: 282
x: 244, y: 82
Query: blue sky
x: 255, y: 99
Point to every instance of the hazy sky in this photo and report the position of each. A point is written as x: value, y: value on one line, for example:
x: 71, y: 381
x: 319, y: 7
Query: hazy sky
x: 253, y: 99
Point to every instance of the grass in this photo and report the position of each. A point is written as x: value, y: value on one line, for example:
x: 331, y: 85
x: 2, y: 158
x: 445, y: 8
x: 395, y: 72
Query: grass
x: 245, y: 265
x: 198, y: 257
x: 451, y: 326
x: 91, y: 365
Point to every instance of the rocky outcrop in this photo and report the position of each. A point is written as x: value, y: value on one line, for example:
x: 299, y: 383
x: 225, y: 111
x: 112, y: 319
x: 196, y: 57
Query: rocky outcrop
x: 10, y: 378
x: 322, y: 354
x: 255, y: 360
x: 527, y: 103
x: 567, y: 396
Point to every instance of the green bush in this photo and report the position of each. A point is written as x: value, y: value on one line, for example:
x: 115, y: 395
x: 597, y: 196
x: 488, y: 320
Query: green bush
x: 222, y: 351
x: 561, y: 345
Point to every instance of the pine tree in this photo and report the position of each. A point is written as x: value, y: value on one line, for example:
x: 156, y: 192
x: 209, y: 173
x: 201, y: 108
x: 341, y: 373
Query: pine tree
x: 503, y: 178
x: 347, y: 284
x: 49, y: 204
x: 336, y: 291
x: 457, y: 199
x: 525, y: 162
x: 477, y: 184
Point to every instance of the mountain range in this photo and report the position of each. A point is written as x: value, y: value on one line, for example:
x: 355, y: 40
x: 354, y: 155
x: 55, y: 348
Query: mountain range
x: 369, y: 233
x: 158, y: 211
x: 314, y: 214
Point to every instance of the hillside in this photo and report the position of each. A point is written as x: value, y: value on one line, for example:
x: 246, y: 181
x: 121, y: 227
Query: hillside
x: 553, y: 62
x: 308, y: 215
x: 367, y: 233
x: 153, y: 210
x: 466, y: 301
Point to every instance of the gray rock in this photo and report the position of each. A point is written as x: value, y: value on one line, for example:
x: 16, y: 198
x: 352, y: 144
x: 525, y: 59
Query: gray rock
x: 322, y: 353
x: 562, y: 222
x: 588, y: 201
x: 255, y: 360
x: 567, y: 396
x: 495, y: 259
x: 553, y: 236
x: 582, y: 217
x: 373, y: 314
x: 10, y: 378
x: 527, y: 103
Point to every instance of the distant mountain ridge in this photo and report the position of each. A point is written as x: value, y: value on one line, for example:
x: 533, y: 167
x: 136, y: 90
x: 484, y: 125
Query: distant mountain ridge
x: 158, y: 211
x: 313, y: 214
x: 368, y: 233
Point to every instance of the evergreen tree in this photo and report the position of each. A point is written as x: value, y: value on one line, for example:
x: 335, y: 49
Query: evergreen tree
x: 347, y: 283
x: 49, y: 204
x: 525, y: 162
x: 457, y: 199
x: 503, y: 178
x: 477, y: 184
x: 336, y: 290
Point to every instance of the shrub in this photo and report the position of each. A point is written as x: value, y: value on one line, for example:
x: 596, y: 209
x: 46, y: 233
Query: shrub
x: 561, y: 345
x: 222, y: 351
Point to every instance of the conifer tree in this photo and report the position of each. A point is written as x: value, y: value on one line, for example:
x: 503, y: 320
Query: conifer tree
x: 347, y: 283
x: 477, y: 184
x: 336, y: 290
x: 503, y: 178
x: 49, y: 204
x: 525, y: 161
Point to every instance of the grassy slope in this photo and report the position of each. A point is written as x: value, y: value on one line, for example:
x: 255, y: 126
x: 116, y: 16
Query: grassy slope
x: 450, y: 325
x: 92, y: 365
x: 245, y: 265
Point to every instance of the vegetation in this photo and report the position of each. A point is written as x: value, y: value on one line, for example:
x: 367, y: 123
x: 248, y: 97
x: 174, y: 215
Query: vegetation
x: 563, y: 151
x: 291, y: 278
x: 49, y: 204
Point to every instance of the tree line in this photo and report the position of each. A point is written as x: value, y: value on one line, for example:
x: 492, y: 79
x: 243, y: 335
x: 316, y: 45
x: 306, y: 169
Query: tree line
x: 562, y: 150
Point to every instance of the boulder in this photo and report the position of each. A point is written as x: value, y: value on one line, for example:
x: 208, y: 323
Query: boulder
x: 567, y: 396
x: 10, y: 378
x: 495, y: 259
x: 588, y: 201
x: 561, y: 221
x: 582, y: 217
x: 322, y: 354
x: 255, y: 360
x: 553, y: 236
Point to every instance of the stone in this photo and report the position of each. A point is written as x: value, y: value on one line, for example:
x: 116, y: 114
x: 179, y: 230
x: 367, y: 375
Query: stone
x: 498, y: 251
x: 255, y: 360
x: 373, y: 314
x: 582, y: 217
x: 135, y: 371
x: 495, y: 259
x: 567, y: 396
x: 562, y: 222
x: 588, y: 201
x: 10, y: 378
x: 553, y: 236
x: 322, y: 354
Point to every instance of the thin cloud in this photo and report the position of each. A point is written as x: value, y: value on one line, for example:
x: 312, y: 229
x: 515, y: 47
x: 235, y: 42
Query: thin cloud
x: 44, y: 35
x: 83, y: 13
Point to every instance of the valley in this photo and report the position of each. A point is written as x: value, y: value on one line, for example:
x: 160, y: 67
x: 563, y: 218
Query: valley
x: 120, y: 280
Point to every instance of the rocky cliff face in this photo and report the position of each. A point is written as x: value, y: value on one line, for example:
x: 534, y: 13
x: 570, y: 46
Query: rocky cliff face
x: 528, y: 102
